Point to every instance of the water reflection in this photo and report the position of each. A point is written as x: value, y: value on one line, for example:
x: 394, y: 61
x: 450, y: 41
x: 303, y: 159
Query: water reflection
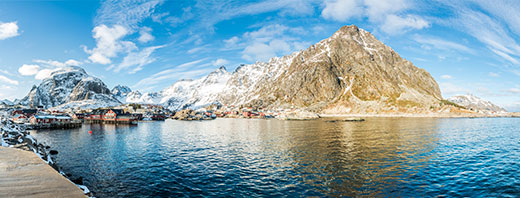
x: 408, y: 157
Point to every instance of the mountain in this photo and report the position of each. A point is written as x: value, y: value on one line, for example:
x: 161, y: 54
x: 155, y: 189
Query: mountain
x: 196, y: 93
x: 147, y: 98
x: 477, y: 104
x: 350, y: 72
x: 70, y: 87
x: 120, y: 92
x: 186, y: 93
x: 6, y: 102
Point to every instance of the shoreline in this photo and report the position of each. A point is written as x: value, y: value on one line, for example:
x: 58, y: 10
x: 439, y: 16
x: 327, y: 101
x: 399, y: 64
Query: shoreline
x: 14, y: 136
x: 24, y: 174
x: 509, y: 115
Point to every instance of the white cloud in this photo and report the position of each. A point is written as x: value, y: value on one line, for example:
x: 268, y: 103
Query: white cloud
x: 126, y: 13
x: 388, y: 14
x: 449, y: 89
x: 506, y: 10
x: 184, y: 71
x: 514, y: 90
x: 43, y: 74
x: 496, y: 36
x: 5, y: 72
x: 232, y: 43
x: 211, y: 12
x: 262, y: 51
x: 190, y: 64
x: 145, y: 35
x: 28, y: 70
x: 377, y: 10
x: 8, y: 30
x: 396, y: 24
x: 267, y: 42
x: 493, y: 74
x: 108, y: 43
x: 137, y: 60
x: 70, y: 62
x: 341, y: 10
x: 194, y: 50
x: 49, y: 66
x: 442, y: 44
x: 446, y: 77
x: 220, y: 62
x: 8, y: 80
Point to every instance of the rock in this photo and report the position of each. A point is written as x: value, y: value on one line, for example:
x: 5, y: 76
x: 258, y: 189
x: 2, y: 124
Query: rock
x: 53, y: 152
x: 79, y: 180
x: 348, y: 120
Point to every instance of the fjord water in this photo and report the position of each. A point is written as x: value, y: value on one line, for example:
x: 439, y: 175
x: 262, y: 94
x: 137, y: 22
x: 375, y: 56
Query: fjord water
x: 391, y: 157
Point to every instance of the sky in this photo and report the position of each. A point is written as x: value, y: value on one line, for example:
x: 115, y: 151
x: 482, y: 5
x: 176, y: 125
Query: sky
x: 469, y: 47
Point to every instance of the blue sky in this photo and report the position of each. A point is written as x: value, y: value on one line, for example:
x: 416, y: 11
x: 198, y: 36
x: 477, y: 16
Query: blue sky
x: 468, y: 46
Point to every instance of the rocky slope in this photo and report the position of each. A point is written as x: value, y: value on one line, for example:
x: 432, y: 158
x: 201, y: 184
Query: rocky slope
x: 350, y: 72
x: 70, y: 87
x: 476, y: 104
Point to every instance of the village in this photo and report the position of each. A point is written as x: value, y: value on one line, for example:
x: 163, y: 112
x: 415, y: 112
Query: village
x: 128, y: 114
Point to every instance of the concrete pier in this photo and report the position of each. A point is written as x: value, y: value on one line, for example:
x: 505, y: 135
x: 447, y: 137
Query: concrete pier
x: 24, y: 174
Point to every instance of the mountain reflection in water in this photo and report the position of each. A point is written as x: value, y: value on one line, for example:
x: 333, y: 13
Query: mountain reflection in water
x: 409, y: 157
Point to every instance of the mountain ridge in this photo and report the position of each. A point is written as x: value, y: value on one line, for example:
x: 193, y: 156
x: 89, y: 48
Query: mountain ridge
x: 350, y: 72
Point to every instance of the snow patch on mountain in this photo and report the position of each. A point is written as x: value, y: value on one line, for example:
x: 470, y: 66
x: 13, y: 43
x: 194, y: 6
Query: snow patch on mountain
x: 476, y: 104
x: 120, y: 92
x: 69, y: 86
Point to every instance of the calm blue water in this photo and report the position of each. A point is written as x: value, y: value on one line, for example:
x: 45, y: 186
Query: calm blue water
x: 382, y: 157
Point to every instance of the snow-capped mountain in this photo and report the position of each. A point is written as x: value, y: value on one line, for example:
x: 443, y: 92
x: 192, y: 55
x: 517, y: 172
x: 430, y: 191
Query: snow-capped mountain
x: 196, y: 93
x: 147, y: 98
x: 120, y: 92
x: 476, y: 104
x: 70, y: 87
x: 6, y: 102
x: 350, y: 72
x: 186, y: 93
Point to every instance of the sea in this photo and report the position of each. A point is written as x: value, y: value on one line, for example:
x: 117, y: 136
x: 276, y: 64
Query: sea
x: 380, y: 157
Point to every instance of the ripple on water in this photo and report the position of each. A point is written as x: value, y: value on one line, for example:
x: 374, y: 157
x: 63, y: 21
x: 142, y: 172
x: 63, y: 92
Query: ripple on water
x: 391, y: 157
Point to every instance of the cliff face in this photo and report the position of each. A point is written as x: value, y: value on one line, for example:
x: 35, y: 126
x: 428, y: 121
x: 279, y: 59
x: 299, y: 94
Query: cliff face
x: 350, y: 72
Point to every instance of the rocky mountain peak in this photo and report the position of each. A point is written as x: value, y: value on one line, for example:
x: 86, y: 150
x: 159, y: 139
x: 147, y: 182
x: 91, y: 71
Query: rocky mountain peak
x: 121, y: 90
x: 69, y: 84
x: 349, y: 72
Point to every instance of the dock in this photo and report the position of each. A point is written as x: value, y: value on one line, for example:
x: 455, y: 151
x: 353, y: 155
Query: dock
x: 24, y: 174
x: 69, y: 125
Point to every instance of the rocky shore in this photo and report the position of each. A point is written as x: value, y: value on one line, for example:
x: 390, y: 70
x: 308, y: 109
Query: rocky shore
x: 15, y: 136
